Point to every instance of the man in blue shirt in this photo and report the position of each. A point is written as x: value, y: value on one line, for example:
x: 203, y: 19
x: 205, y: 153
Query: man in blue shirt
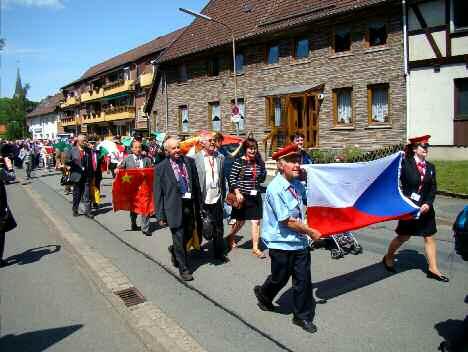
x: 286, y: 234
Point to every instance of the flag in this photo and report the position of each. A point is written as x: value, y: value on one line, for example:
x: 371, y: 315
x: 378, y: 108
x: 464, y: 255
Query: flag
x: 132, y: 190
x: 62, y: 146
x: 107, y: 147
x: 343, y: 197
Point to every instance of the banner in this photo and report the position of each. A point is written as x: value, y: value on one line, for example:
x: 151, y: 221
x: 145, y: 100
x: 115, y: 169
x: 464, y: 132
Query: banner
x: 132, y: 190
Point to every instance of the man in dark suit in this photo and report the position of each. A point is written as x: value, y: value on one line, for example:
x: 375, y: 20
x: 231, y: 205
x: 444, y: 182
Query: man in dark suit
x: 213, y: 191
x: 177, y: 201
x: 81, y: 170
x: 137, y: 161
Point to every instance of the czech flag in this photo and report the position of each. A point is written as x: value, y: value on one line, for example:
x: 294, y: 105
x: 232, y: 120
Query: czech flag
x: 348, y: 196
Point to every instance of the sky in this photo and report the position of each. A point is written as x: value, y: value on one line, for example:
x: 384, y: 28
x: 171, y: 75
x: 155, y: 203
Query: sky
x: 54, y: 42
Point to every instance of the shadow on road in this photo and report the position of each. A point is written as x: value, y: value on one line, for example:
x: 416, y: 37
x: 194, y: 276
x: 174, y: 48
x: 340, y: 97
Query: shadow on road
x: 36, y: 341
x: 455, y: 334
x: 339, y: 285
x: 32, y: 255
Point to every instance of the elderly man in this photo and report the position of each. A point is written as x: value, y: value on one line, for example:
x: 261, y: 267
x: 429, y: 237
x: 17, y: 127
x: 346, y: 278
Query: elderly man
x: 137, y: 161
x: 177, y: 201
x: 286, y: 235
x: 213, y: 190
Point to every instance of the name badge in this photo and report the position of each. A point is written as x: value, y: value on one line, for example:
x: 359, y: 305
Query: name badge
x: 416, y: 197
x: 187, y: 195
x: 213, y: 185
x: 253, y: 192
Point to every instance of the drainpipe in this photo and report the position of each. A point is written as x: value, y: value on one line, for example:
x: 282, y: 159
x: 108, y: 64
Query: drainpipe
x: 405, y: 59
x: 167, y: 103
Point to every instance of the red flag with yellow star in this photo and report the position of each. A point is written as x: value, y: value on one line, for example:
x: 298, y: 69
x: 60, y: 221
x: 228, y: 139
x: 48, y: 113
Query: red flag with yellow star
x: 132, y: 190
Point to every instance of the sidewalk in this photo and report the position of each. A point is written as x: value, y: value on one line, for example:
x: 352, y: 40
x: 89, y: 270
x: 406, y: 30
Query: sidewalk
x: 357, y: 292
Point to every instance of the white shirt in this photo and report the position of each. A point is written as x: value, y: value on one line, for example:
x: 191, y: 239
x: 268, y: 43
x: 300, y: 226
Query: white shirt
x: 138, y: 161
x: 213, y: 191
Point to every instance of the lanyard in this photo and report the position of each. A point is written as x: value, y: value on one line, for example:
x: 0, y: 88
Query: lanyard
x: 211, y: 162
x: 295, y: 194
x: 254, y: 173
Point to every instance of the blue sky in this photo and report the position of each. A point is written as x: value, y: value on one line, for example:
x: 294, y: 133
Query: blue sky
x: 55, y: 41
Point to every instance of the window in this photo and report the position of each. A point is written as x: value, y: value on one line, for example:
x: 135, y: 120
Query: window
x: 184, y: 124
x: 342, y: 39
x: 461, y: 99
x: 213, y: 67
x: 214, y: 113
x: 183, y: 73
x: 240, y: 62
x: 459, y: 14
x: 241, y: 105
x: 343, y: 106
x: 302, y: 48
x: 377, y: 96
x: 377, y: 33
x: 273, y: 55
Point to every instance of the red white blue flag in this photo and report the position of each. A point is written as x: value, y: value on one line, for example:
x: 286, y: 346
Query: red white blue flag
x: 348, y: 196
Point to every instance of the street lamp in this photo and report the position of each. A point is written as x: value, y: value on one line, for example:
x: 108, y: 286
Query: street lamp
x: 207, y: 18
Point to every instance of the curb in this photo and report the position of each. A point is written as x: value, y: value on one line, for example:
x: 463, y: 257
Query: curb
x: 157, y: 331
x: 453, y: 194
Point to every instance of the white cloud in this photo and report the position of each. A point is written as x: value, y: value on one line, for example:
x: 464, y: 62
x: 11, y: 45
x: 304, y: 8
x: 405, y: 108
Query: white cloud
x: 56, y: 4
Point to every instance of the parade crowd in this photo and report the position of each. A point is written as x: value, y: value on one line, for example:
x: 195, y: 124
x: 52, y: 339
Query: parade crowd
x: 198, y: 193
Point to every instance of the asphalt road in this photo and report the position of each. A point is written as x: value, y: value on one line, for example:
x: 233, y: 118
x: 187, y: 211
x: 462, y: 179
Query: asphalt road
x: 47, y: 301
x: 362, y: 308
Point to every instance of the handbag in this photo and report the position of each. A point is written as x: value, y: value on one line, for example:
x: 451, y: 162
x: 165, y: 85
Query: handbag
x: 7, y: 221
x: 65, y: 180
x: 207, y: 226
x: 231, y: 199
x: 75, y: 177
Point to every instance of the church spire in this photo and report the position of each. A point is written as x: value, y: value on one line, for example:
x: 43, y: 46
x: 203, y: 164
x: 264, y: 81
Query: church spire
x: 19, y: 87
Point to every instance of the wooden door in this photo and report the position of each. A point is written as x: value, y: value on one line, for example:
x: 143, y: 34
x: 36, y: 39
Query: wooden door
x: 312, y: 121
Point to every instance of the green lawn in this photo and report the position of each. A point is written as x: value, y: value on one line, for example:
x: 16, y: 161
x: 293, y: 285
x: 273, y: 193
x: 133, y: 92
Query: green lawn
x: 452, y: 176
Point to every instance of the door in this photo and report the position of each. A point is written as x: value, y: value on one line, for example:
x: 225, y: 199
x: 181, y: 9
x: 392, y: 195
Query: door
x: 303, y: 117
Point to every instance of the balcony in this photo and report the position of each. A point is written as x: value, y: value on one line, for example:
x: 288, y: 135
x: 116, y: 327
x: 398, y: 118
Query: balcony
x: 69, y: 121
x: 93, y: 117
x: 92, y: 95
x: 117, y: 87
x: 119, y: 113
x: 70, y: 102
x: 146, y: 79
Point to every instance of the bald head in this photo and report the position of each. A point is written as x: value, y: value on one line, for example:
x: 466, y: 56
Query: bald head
x: 172, y: 147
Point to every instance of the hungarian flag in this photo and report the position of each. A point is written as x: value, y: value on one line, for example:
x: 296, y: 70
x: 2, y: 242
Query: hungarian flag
x: 132, y: 190
x: 348, y: 196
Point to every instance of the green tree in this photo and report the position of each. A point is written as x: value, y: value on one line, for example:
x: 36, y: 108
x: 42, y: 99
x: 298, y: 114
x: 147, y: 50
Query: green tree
x: 13, y: 113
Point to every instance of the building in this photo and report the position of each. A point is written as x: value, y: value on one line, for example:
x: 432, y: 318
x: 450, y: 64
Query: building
x: 43, y: 121
x: 332, y: 70
x: 437, y: 64
x: 109, y: 98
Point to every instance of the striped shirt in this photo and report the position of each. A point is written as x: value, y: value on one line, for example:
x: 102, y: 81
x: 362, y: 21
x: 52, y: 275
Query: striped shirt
x: 250, y: 178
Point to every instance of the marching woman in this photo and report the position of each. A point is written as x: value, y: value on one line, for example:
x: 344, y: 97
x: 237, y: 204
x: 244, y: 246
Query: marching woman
x: 247, y: 173
x: 418, y: 183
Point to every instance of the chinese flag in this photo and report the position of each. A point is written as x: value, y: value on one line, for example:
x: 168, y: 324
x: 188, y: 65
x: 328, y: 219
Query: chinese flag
x: 133, y: 190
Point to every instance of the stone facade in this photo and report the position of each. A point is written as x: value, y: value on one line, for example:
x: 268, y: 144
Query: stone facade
x: 357, y: 68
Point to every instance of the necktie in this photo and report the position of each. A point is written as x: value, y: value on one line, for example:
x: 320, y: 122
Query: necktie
x: 421, y: 165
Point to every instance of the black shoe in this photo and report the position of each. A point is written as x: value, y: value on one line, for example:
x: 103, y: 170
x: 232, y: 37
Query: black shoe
x: 390, y: 269
x: 173, y: 258
x: 442, y: 278
x: 3, y: 263
x: 89, y: 215
x: 186, y: 276
x: 146, y: 233
x: 134, y: 227
x: 307, y: 325
x: 263, y: 302
x: 75, y: 213
x: 223, y: 259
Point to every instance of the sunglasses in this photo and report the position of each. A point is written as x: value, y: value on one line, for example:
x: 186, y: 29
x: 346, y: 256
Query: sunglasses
x: 424, y: 146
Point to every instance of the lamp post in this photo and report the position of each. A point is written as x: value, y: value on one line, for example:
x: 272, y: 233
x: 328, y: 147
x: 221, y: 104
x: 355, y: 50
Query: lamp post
x: 207, y: 18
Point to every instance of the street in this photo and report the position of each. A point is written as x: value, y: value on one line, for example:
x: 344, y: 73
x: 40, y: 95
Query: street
x: 360, y: 306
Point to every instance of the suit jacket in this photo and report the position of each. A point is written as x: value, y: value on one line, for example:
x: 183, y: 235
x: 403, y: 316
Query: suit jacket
x: 129, y: 162
x: 200, y: 164
x: 82, y: 165
x: 410, y: 181
x: 167, y: 197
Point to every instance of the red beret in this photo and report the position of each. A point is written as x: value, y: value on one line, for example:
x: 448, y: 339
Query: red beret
x: 289, y: 150
x: 420, y: 140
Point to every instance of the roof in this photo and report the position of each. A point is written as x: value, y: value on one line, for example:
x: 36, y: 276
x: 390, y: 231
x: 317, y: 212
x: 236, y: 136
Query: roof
x: 155, y: 45
x: 250, y: 18
x: 46, y: 106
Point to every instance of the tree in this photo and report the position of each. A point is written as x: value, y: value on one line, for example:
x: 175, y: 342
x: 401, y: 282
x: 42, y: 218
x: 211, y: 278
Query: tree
x: 13, y: 113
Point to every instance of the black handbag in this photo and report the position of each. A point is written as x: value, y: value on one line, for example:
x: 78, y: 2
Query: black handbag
x: 75, y: 177
x: 7, y: 221
x: 207, y: 226
x: 65, y: 180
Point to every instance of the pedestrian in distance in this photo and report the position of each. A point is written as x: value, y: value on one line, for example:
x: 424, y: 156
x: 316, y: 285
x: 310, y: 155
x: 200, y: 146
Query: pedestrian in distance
x: 177, y: 199
x: 81, y: 174
x: 213, y: 191
x: 7, y: 223
x: 28, y: 160
x: 418, y: 183
x: 287, y: 237
x: 247, y: 173
x: 137, y: 161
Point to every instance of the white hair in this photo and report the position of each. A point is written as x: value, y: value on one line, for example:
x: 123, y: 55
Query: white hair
x: 166, y: 142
